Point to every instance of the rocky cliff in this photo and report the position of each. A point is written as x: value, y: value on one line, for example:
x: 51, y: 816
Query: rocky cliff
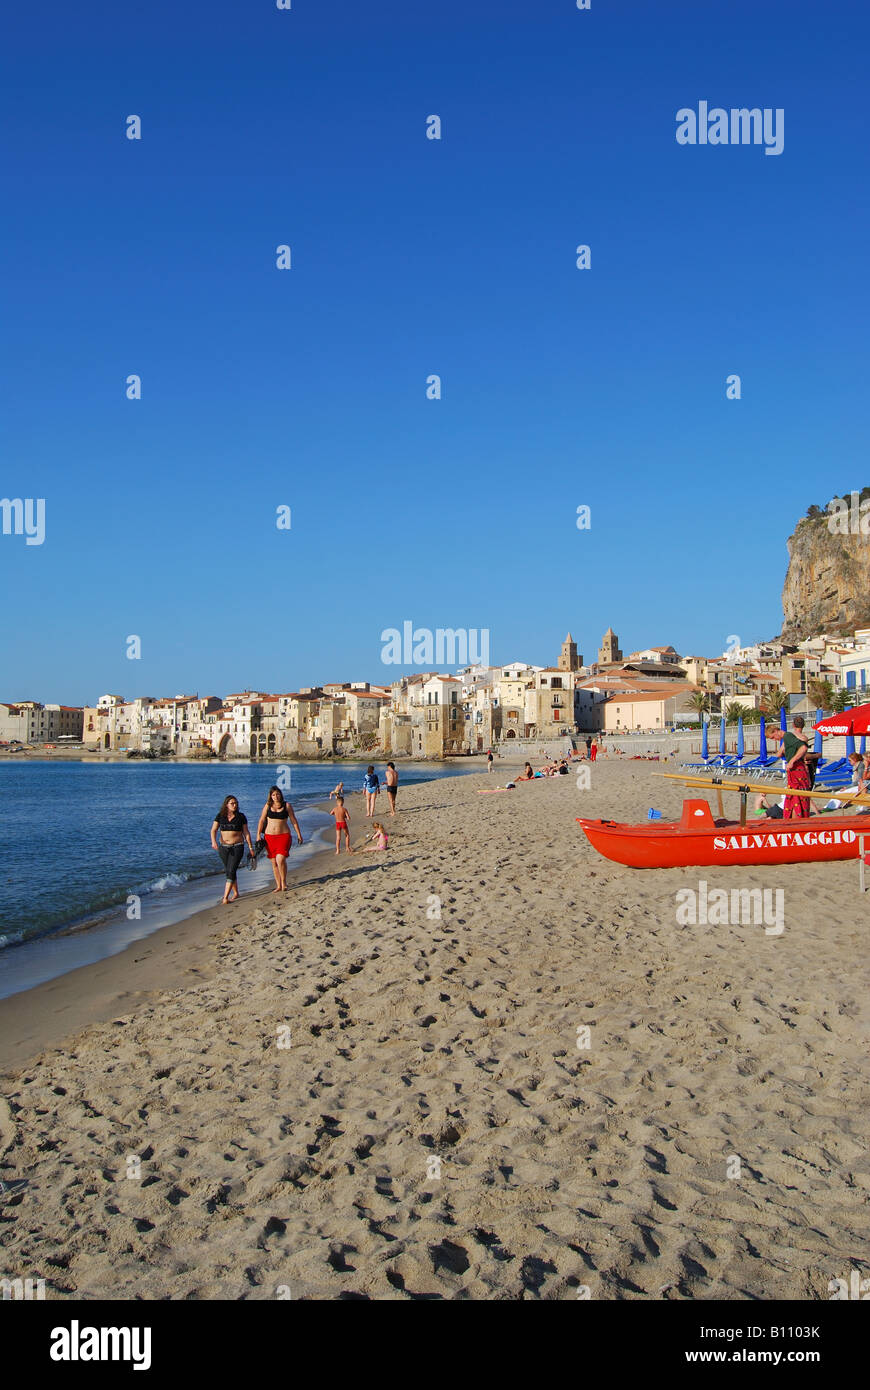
x: 827, y: 584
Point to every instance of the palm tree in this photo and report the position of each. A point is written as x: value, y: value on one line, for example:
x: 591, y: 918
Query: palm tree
x: 821, y: 693
x: 698, y: 701
x: 735, y: 711
x: 773, y: 700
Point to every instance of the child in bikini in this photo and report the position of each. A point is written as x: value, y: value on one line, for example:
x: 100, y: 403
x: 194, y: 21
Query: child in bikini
x: 338, y: 791
x: 380, y: 837
x: 342, y: 822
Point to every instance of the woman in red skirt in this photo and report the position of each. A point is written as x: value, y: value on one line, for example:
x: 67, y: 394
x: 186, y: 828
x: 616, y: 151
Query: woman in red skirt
x: 797, y: 776
x: 274, y: 818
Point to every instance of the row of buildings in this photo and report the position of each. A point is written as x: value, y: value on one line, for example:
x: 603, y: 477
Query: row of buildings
x: 433, y: 714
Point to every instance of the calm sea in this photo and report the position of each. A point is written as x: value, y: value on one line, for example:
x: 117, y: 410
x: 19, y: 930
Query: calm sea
x: 82, y: 837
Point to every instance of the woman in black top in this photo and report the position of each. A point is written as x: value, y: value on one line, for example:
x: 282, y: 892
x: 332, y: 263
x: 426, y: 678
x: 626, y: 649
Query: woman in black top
x: 273, y: 820
x: 233, y: 827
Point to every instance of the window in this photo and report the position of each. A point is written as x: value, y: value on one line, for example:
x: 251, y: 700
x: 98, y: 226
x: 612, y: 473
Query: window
x: 556, y: 715
x: 851, y: 680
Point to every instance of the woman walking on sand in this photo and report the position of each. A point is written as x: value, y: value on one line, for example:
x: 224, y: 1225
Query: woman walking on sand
x: 391, y: 778
x: 797, y: 777
x: 274, y: 817
x: 371, y: 787
x: 233, y: 827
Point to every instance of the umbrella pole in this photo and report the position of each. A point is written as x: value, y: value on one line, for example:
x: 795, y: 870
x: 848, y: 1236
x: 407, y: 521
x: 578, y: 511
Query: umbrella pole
x: 743, y: 796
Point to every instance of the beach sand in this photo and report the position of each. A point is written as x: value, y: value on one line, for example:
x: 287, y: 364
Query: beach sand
x: 423, y: 1045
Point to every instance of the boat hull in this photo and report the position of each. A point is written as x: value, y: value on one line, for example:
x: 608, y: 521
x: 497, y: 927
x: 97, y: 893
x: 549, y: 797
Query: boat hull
x: 671, y: 845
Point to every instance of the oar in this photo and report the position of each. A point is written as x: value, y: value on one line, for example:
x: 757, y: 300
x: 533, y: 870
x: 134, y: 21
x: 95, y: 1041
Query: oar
x: 721, y: 784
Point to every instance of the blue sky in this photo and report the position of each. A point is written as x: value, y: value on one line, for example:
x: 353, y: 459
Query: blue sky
x: 412, y: 257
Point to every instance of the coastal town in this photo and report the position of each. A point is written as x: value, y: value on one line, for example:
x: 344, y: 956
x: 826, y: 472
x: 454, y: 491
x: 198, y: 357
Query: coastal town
x: 433, y: 715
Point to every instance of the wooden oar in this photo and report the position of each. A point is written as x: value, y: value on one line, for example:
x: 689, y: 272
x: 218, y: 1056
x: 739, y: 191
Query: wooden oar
x: 734, y: 784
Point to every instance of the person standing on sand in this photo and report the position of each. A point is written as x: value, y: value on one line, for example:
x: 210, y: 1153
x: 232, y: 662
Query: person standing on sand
x: 593, y: 751
x: 794, y: 748
x: 391, y: 778
x: 233, y: 827
x: 588, y: 745
x: 371, y: 787
x: 489, y: 761
x: 342, y: 822
x: 274, y: 817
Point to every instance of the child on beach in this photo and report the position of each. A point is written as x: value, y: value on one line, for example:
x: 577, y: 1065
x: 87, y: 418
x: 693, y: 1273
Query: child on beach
x: 337, y: 791
x: 342, y: 822
x: 380, y: 837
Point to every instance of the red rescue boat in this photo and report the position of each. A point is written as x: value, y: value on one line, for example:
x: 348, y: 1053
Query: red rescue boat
x: 697, y: 839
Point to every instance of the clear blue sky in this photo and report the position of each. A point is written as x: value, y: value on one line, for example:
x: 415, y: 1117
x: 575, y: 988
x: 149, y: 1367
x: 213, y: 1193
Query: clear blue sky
x: 411, y: 257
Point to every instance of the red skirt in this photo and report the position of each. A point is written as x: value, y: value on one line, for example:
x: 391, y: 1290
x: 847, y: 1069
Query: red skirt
x: 798, y: 778
x: 278, y: 844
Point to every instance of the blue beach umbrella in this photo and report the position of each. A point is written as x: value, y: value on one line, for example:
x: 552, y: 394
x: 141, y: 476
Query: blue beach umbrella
x: 740, y: 748
x: 722, y: 734
x: 705, y: 744
x: 862, y: 746
x: 762, y: 738
x: 817, y: 741
x: 783, y: 725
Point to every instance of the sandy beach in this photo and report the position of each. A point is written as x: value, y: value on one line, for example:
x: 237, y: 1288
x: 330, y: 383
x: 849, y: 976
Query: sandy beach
x: 428, y: 1127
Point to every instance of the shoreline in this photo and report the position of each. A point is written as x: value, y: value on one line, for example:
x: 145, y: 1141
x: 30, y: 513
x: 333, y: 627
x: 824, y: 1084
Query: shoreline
x: 102, y: 930
x: 36, y: 1019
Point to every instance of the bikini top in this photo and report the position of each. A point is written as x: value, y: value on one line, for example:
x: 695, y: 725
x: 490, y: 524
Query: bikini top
x: 238, y: 822
x: 277, y: 815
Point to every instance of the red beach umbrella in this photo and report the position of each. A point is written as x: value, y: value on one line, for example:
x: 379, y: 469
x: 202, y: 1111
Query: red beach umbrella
x: 851, y: 721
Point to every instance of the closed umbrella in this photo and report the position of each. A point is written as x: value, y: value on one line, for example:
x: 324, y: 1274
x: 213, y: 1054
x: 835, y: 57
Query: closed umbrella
x: 705, y: 746
x: 762, y: 738
x: 740, y: 748
x: 862, y: 746
x: 722, y: 735
x: 817, y: 741
x: 783, y: 725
